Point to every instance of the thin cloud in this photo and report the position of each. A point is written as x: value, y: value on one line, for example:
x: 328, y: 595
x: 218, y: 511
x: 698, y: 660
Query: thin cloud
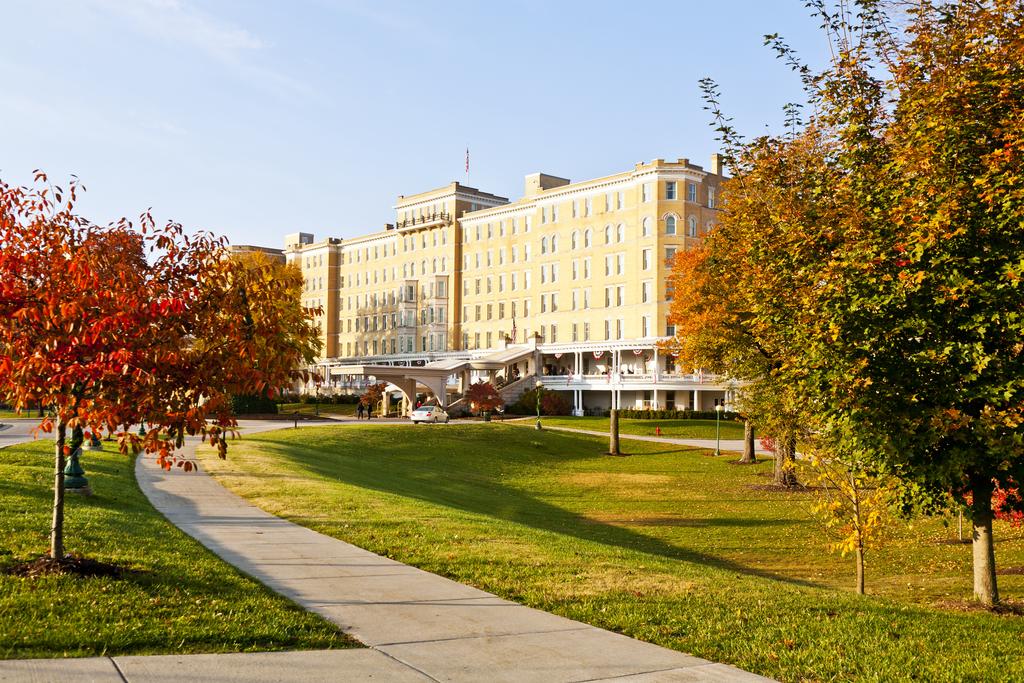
x: 174, y: 21
x: 177, y: 22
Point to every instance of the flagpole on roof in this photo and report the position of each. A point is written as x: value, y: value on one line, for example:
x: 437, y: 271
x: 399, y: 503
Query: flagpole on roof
x: 467, y: 164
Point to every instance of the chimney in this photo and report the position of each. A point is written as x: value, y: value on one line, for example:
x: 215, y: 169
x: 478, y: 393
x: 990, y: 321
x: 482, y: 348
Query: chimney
x: 538, y: 182
x: 717, y: 164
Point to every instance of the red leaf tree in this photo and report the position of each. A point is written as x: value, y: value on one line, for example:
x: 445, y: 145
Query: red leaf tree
x: 485, y: 396
x: 112, y: 326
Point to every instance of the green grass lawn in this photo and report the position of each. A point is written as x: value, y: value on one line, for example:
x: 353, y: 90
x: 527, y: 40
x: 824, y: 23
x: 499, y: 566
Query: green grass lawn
x: 178, y: 598
x: 679, y: 429
x: 310, y: 409
x: 669, y: 545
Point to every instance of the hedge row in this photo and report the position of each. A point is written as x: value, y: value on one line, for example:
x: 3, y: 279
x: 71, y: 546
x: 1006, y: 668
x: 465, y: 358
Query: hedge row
x: 253, y: 405
x: 338, y: 399
x: 633, y: 414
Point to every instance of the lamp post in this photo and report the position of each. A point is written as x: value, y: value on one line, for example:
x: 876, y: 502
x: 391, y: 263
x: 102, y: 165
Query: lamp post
x: 718, y: 428
x: 540, y: 388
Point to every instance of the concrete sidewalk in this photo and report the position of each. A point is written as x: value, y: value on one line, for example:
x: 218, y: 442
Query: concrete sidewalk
x: 435, y: 627
x: 418, y: 626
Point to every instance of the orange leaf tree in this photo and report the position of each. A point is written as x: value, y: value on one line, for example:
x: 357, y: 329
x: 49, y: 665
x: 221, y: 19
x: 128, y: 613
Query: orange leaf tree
x: 112, y: 326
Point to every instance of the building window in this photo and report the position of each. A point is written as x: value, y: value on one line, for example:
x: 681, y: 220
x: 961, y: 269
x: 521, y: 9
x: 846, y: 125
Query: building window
x: 554, y: 334
x: 620, y: 233
x: 554, y: 303
x: 670, y: 330
x: 543, y: 245
x: 711, y: 197
x: 586, y: 268
x: 554, y: 244
x: 575, y: 329
x: 586, y: 331
x: 670, y: 253
x: 670, y: 225
x: 691, y: 192
x: 645, y: 293
x: 645, y: 328
x: 607, y: 329
x: 587, y: 206
x: 620, y: 199
x: 670, y: 189
x: 575, y: 269
x: 607, y: 234
x: 618, y: 328
x: 691, y: 227
x: 586, y: 239
x: 645, y: 259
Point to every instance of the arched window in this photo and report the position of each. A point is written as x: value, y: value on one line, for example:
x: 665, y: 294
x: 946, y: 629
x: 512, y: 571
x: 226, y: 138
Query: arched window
x: 412, y: 269
x: 543, y: 245
x: 670, y: 225
x: 646, y: 227
x: 574, y: 240
x: 620, y: 233
x: 587, y: 236
x: 554, y: 244
x: 607, y: 234
x: 423, y: 267
x: 434, y: 266
x: 691, y: 227
x: 444, y: 265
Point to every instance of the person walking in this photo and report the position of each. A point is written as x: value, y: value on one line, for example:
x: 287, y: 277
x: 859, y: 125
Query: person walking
x: 369, y: 411
x: 359, y: 411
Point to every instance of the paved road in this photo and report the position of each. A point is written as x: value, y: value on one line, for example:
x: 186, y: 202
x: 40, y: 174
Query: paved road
x: 17, y: 430
x: 418, y: 626
x: 731, y: 445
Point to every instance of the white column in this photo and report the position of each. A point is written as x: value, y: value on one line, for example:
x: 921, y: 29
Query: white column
x: 655, y: 404
x: 696, y: 399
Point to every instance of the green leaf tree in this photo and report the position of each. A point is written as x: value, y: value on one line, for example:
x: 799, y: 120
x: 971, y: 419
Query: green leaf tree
x: 883, y: 249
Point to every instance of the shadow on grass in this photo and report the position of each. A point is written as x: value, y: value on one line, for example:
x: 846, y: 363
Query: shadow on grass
x: 467, y: 481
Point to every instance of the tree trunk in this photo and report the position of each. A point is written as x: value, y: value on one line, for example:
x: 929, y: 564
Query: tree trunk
x: 985, y: 589
x: 57, y: 527
x: 749, y: 456
x: 860, y: 571
x: 613, y: 443
x: 785, y: 452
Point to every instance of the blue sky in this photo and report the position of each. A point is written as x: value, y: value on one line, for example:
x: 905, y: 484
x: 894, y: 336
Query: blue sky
x: 255, y: 119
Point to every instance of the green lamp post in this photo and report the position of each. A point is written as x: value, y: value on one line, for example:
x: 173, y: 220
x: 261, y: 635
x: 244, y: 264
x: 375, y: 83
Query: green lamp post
x: 718, y: 428
x: 540, y: 388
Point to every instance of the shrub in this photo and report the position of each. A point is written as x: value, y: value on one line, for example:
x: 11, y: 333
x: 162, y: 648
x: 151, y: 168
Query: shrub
x: 253, y: 405
x: 551, y: 403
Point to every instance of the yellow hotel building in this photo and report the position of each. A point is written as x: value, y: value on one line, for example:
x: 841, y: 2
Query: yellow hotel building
x: 565, y: 286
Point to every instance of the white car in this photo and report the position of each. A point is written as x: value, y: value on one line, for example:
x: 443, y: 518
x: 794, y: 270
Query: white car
x: 429, y: 414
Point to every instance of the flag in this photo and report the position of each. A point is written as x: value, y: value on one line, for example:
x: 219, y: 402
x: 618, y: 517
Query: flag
x: 467, y: 161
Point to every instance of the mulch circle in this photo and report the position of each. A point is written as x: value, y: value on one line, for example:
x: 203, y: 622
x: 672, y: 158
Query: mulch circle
x: 69, y: 565
x: 1010, y: 570
x: 775, y: 488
